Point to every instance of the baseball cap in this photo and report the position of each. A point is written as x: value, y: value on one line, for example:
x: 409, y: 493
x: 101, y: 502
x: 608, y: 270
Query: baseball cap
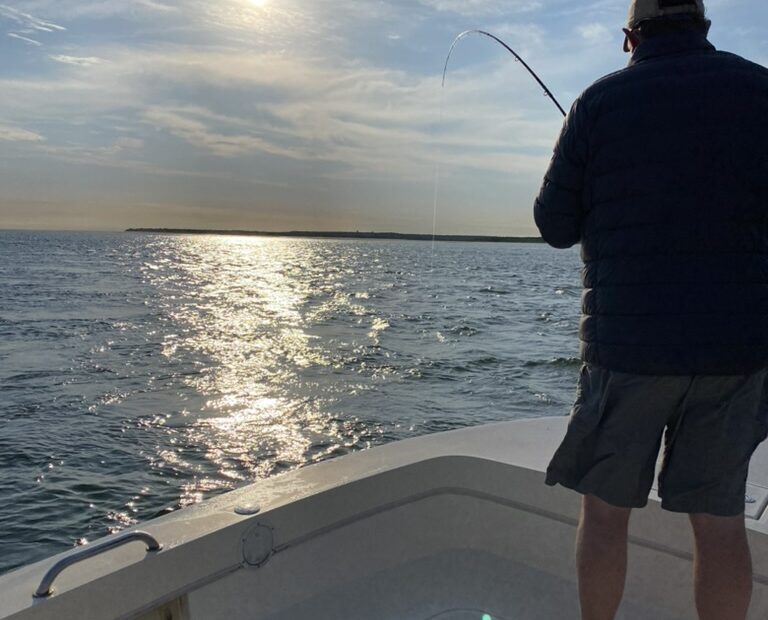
x: 641, y: 10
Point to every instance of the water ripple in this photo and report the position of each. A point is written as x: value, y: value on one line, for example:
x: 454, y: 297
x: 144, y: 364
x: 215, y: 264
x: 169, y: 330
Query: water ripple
x: 179, y: 367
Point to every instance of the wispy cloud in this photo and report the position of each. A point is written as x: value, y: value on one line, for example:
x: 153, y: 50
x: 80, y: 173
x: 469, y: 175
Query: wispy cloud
x: 126, y: 143
x: 483, y: 8
x: 89, y: 9
x: 189, y: 125
x: 594, y: 33
x: 79, y: 61
x: 157, y: 6
x: 523, y: 33
x: 363, y: 120
x: 29, y: 25
x: 26, y: 40
x: 28, y: 21
x: 16, y: 134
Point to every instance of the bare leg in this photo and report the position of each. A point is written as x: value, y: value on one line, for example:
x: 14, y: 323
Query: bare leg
x: 601, y: 557
x: 722, y: 567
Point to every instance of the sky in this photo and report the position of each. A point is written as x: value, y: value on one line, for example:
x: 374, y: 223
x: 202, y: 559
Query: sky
x: 284, y: 115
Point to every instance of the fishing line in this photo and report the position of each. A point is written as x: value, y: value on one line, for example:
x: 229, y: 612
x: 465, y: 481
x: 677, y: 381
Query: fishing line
x: 518, y: 58
x: 437, y: 185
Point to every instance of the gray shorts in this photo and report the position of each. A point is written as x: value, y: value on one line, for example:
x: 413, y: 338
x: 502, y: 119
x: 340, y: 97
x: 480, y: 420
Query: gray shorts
x: 710, y: 425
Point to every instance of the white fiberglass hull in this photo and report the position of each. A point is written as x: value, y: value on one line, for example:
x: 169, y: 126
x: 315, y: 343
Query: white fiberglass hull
x: 452, y: 526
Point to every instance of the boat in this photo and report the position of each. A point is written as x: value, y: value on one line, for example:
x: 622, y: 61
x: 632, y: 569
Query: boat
x: 451, y: 526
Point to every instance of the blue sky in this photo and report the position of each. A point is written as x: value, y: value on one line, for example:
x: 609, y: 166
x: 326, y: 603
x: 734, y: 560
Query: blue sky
x: 297, y: 114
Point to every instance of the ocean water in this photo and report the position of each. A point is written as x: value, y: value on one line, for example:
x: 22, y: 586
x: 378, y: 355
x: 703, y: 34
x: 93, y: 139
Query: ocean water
x: 140, y: 374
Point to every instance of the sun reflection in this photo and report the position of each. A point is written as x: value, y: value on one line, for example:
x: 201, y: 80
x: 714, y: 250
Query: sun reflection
x: 248, y: 310
x: 246, y: 320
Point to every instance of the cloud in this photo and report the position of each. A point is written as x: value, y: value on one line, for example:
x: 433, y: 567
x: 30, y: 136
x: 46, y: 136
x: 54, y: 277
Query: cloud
x: 268, y: 104
x: 28, y: 21
x: 522, y: 33
x: 79, y: 61
x: 90, y: 9
x: 157, y: 6
x: 30, y: 25
x: 483, y: 8
x: 104, y: 157
x: 126, y: 143
x: 189, y: 125
x: 353, y: 118
x: 364, y: 120
x: 26, y: 40
x: 16, y: 134
x: 594, y: 33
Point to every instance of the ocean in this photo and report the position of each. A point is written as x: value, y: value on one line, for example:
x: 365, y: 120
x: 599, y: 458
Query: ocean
x: 141, y: 373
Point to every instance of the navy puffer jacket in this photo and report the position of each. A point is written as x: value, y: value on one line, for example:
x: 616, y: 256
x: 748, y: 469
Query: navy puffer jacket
x: 661, y: 172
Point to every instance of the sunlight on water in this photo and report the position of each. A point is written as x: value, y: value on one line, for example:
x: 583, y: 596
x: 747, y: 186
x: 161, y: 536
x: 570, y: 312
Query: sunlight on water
x: 245, y: 319
x: 185, y: 366
x: 275, y: 330
x: 249, y: 320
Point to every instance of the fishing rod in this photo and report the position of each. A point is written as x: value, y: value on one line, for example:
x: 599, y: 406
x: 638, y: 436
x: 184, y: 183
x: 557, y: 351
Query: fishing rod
x: 547, y: 92
x: 519, y: 59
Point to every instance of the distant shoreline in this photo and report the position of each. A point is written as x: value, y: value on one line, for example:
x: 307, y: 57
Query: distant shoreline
x: 339, y: 235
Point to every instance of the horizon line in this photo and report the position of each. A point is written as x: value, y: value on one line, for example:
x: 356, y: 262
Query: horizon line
x: 339, y: 235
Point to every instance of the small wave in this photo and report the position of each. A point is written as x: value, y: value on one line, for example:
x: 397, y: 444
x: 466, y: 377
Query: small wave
x: 559, y: 362
x: 439, y: 426
x: 464, y: 330
x: 569, y: 292
x: 246, y: 342
x: 31, y: 376
x: 485, y: 361
x: 472, y: 365
x: 489, y: 290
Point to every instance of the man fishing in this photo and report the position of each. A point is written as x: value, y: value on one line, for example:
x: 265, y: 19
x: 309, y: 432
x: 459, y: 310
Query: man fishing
x: 661, y: 173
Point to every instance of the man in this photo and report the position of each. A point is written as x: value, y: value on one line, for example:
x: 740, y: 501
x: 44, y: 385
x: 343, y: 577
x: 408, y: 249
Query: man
x: 661, y: 172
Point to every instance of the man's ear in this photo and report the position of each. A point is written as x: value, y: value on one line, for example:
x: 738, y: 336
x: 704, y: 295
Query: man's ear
x: 631, y: 40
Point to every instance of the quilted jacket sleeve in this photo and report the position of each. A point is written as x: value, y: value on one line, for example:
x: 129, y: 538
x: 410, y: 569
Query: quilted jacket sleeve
x: 559, y: 209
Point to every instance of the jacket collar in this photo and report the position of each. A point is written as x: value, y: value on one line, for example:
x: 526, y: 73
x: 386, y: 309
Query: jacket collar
x: 668, y: 44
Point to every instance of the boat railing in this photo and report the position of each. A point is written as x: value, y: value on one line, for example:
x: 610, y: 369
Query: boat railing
x: 45, y: 589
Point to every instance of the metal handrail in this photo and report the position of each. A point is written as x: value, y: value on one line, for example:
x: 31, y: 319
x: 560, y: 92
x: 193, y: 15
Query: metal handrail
x: 44, y: 590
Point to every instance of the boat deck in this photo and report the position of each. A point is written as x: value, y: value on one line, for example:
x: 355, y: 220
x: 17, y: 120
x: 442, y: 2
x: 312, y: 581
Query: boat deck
x: 453, y: 525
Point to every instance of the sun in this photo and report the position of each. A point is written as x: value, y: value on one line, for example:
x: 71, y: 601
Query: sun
x: 258, y: 3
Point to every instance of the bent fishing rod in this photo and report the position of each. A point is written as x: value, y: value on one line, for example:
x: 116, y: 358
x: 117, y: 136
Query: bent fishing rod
x: 547, y: 92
